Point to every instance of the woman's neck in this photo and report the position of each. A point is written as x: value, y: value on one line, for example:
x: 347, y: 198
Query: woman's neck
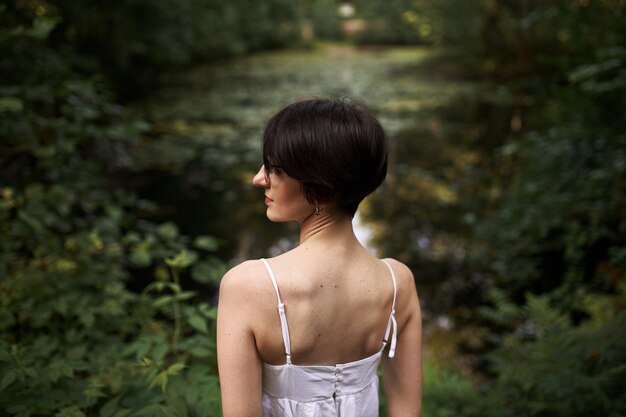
x: 330, y: 225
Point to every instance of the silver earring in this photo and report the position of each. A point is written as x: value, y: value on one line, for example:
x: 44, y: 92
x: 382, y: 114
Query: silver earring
x: 317, y: 210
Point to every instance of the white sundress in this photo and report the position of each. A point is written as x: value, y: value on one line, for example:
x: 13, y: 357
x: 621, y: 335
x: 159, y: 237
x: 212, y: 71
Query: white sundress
x: 343, y: 390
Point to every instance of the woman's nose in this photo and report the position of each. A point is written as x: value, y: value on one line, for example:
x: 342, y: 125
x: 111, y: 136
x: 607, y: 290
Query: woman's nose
x: 260, y: 179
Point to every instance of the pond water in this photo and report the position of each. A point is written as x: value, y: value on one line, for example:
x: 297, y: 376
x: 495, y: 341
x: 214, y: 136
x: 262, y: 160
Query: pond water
x: 204, y: 147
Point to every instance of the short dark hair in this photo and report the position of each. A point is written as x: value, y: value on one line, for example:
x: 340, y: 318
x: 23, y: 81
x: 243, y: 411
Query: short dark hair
x: 336, y: 148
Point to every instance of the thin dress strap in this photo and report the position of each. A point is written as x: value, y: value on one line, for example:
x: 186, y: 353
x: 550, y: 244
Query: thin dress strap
x: 281, y: 313
x: 392, y: 317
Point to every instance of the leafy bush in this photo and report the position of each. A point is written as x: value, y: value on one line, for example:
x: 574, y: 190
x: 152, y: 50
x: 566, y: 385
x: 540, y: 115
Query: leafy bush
x: 553, y: 367
x: 324, y: 17
x: 135, y: 43
x: 387, y: 22
x: 548, y: 367
x: 75, y: 339
x: 448, y: 393
x: 518, y: 191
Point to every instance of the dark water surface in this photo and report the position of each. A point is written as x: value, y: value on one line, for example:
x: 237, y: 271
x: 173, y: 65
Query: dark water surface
x: 204, y: 146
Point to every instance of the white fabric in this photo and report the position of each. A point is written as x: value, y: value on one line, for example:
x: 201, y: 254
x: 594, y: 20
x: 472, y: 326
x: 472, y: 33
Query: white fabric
x: 342, y: 390
x: 392, y: 317
x: 281, y: 313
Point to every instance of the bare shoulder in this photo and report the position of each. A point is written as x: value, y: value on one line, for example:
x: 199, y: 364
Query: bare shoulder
x: 407, y: 302
x: 247, y: 280
x: 404, y: 276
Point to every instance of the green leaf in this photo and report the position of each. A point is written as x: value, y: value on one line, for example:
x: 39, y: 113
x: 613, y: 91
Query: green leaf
x: 161, y: 379
x: 31, y: 372
x: 5, y: 356
x: 182, y: 260
x: 199, y: 323
x: 208, y: 243
x: 141, y: 257
x: 42, y: 26
x: 67, y: 370
x: 160, y: 351
x: 152, y: 410
x: 11, y: 105
x: 156, y: 286
x: 201, y: 352
x: 212, y: 313
x: 147, y: 361
x: 8, y: 379
x: 184, y: 295
x: 175, y: 369
x: 162, y: 301
x: 613, y: 377
x: 208, y: 271
x: 140, y: 348
x: 168, y: 231
x: 110, y: 407
x: 193, y: 394
x: 30, y: 221
x: 18, y: 408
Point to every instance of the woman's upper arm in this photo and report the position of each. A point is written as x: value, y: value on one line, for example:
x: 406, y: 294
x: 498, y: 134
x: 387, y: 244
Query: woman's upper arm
x: 238, y: 360
x: 402, y: 374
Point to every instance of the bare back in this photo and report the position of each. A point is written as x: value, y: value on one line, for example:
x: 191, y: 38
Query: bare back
x: 337, y: 302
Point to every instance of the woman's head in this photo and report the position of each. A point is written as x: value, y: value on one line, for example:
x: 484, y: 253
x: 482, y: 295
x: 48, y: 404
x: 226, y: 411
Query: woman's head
x: 335, y: 148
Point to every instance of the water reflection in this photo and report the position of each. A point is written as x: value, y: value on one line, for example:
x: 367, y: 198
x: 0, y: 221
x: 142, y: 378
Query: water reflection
x: 363, y: 233
x: 204, y: 149
x: 207, y: 123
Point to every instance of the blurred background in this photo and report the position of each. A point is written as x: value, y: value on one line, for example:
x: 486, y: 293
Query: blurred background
x: 130, y: 131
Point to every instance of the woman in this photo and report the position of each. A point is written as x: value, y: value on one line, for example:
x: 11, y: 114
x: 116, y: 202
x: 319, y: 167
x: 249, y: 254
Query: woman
x: 341, y: 311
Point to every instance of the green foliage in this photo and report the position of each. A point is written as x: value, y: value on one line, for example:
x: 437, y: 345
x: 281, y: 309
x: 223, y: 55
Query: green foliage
x: 448, y: 23
x: 515, y: 198
x: 515, y: 214
x: 324, y: 18
x: 134, y: 43
x: 551, y: 367
x: 559, y: 232
x: 421, y: 22
x: 389, y: 22
x: 563, y: 212
x: 75, y: 340
x: 560, y: 223
x: 447, y: 393
x: 547, y: 367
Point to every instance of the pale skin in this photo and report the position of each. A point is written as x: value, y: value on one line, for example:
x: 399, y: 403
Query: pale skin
x: 337, y: 296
